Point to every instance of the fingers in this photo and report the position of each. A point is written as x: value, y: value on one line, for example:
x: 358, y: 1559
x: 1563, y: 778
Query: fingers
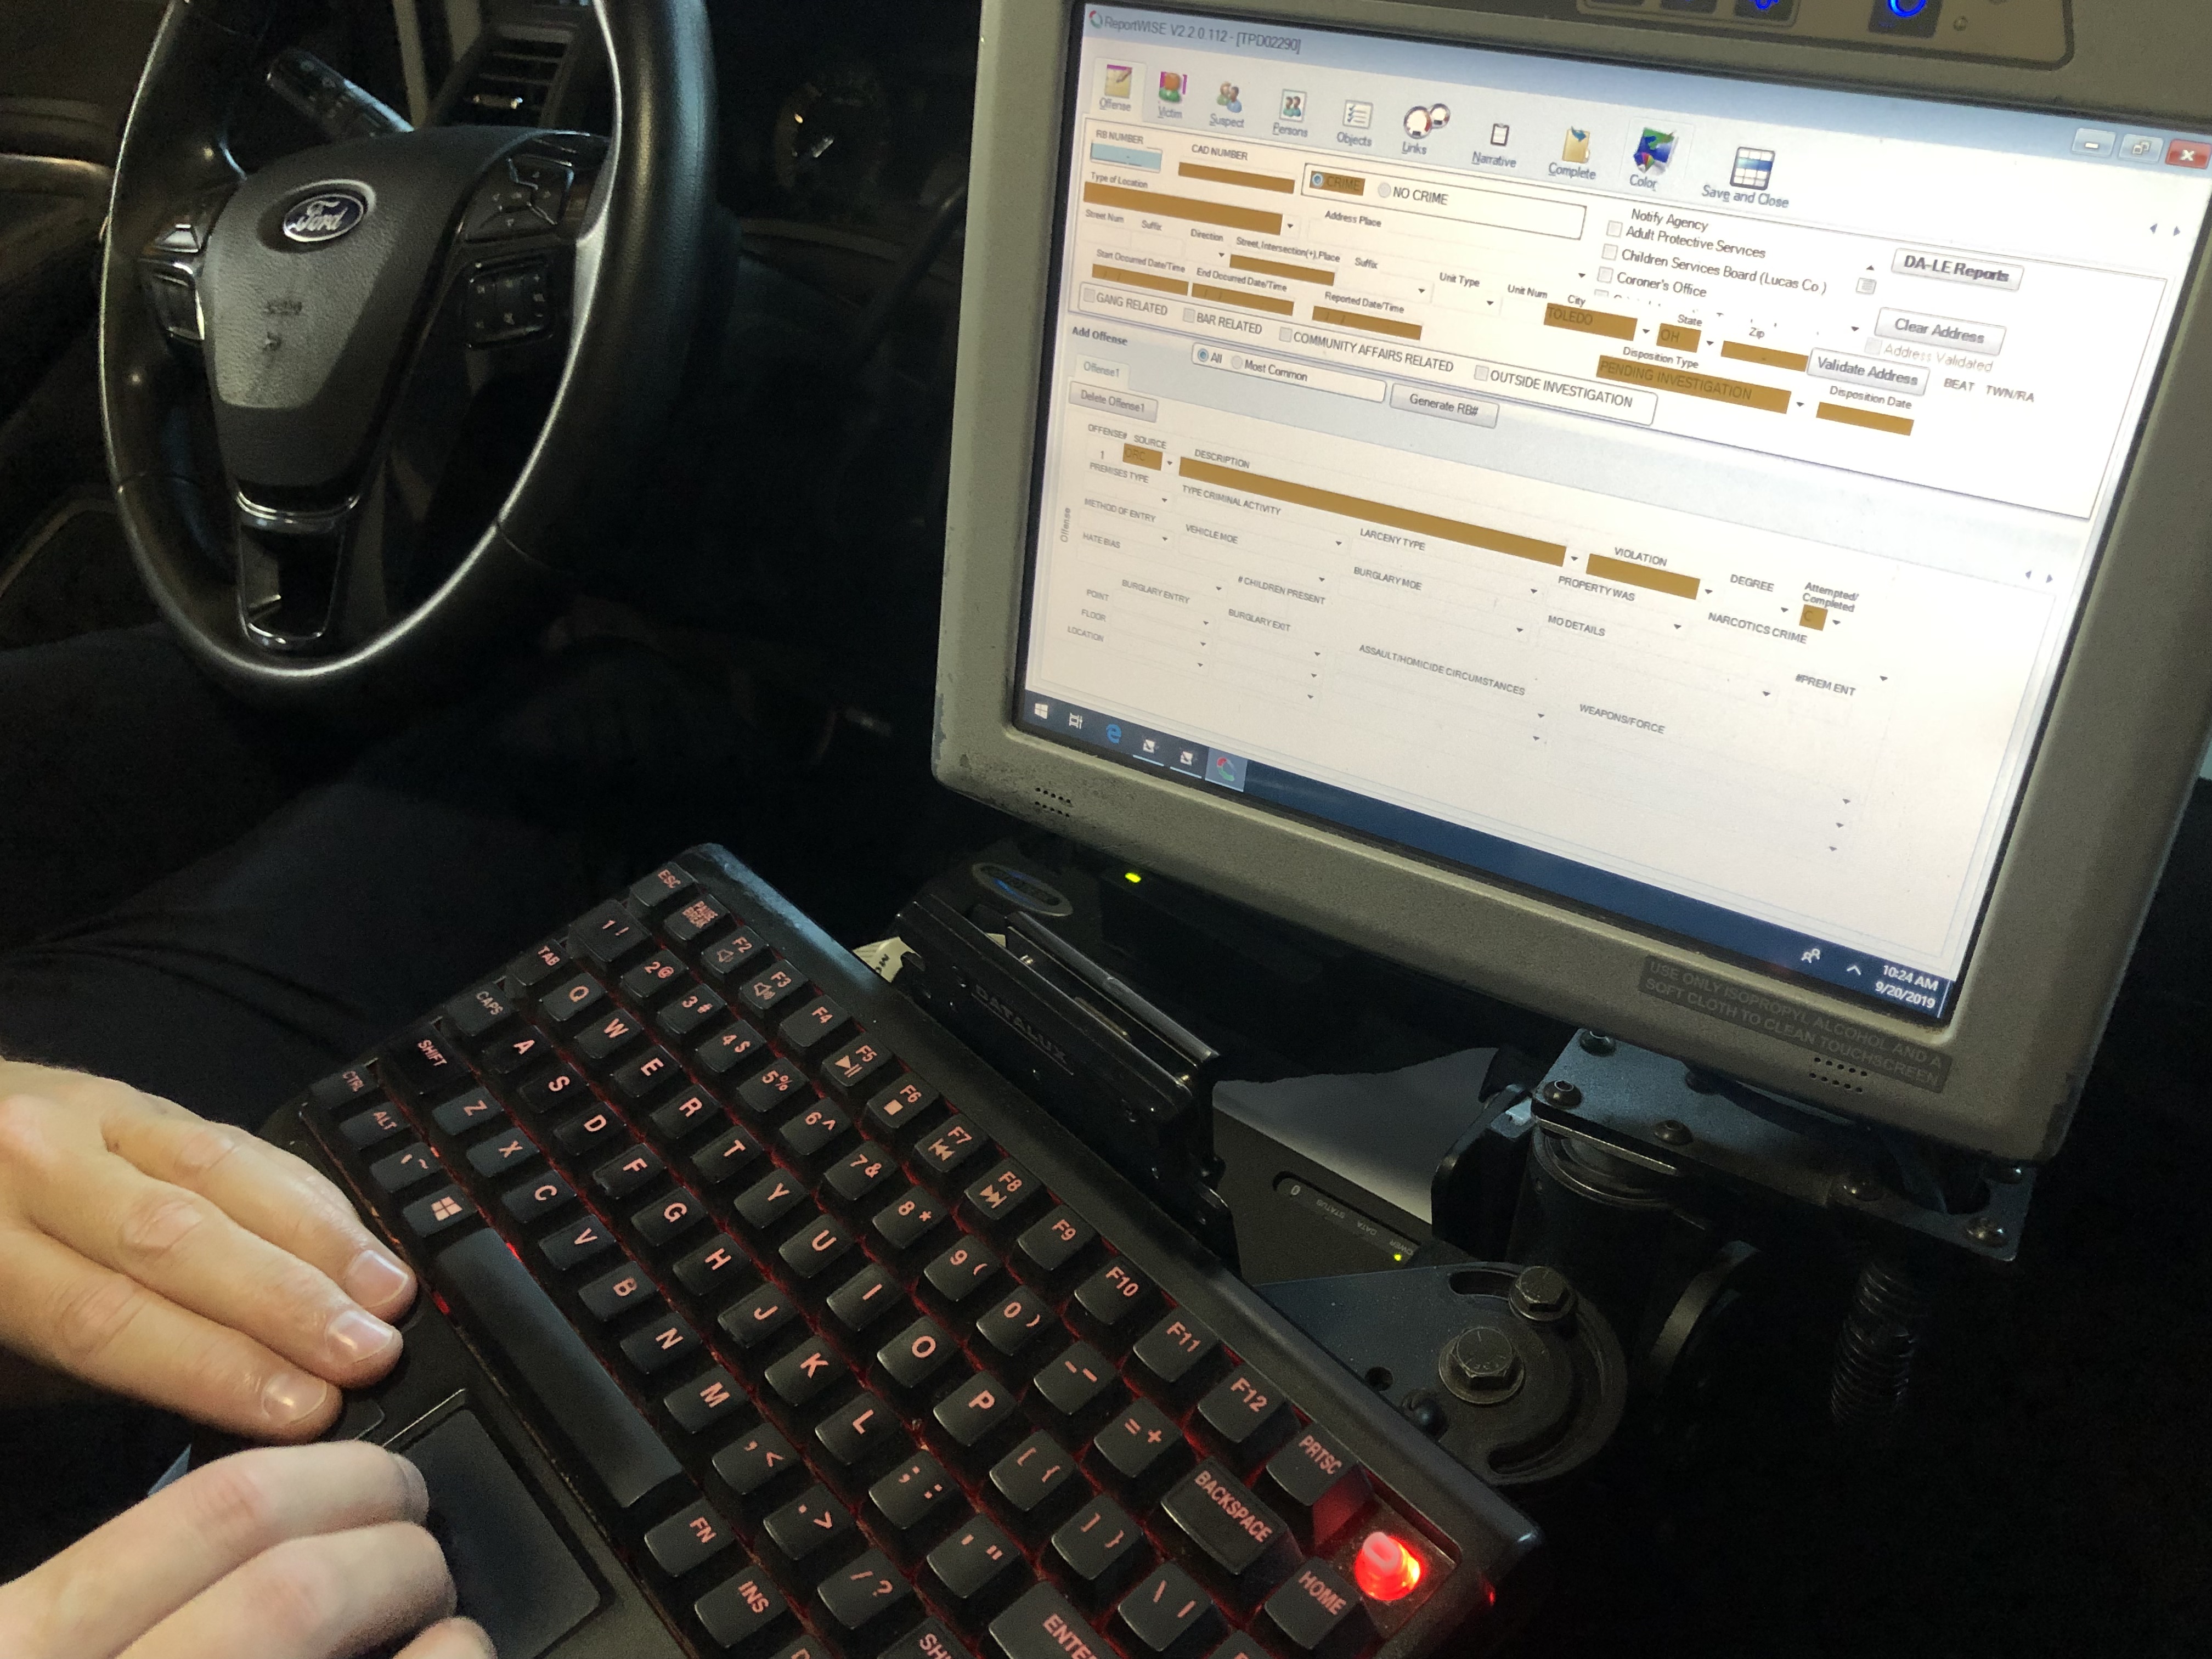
x: 270, y: 1193
x: 112, y: 1331
x: 326, y: 1597
x: 452, y: 1638
x: 185, y: 1249
x: 113, y: 1584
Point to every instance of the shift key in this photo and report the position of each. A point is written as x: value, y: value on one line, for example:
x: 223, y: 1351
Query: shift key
x: 541, y: 1357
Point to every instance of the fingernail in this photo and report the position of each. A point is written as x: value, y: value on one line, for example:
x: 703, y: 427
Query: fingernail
x: 357, y: 1335
x: 291, y: 1396
x: 418, y: 1490
x: 374, y: 1278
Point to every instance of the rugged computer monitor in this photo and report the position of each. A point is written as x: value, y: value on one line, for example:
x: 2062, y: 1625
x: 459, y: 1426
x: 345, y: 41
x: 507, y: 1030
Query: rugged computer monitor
x: 1689, y: 514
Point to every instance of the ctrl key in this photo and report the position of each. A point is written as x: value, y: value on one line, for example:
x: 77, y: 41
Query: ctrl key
x: 745, y: 1615
x: 1045, y: 1625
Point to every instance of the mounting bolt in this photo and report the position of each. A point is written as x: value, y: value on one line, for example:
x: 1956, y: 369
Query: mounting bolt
x: 1482, y: 1367
x: 1562, y: 1093
x: 1672, y: 1132
x: 1542, y: 1294
x: 1987, y: 1231
x: 1858, y: 1187
x: 1596, y: 1042
x: 2008, y: 1175
x: 1700, y: 1082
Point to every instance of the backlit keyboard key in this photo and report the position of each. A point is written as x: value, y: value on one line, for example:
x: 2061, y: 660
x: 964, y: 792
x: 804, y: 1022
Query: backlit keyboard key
x: 1245, y: 1417
x: 731, y: 1154
x: 813, y: 1028
x: 622, y: 1291
x: 687, y: 1540
x: 409, y: 1166
x: 858, y: 1068
x: 916, y: 1505
x: 654, y: 979
x: 1167, y: 1616
x: 1317, y: 1612
x: 691, y: 1113
x: 864, y: 1300
x: 654, y: 893
x: 863, y: 1597
x: 1113, y: 1306
x: 1142, y: 1452
x: 1054, y: 1248
x: 573, y: 1001
x: 609, y: 935
x: 667, y: 1218
x: 500, y: 1153
x: 714, y: 1267
x: 694, y: 1010
x: 697, y: 915
x: 730, y: 1050
x: 729, y: 956
x: 576, y: 1244
x: 705, y: 1402
x: 1099, y: 1551
x: 746, y: 1614
x: 366, y: 1128
x: 896, y: 1113
x: 627, y: 1170
x: 661, y: 1344
x: 539, y: 1200
x: 1237, y: 1539
x: 445, y: 1211
x: 767, y: 989
x: 1045, y: 1625
x: 466, y: 1113
x: 602, y: 1039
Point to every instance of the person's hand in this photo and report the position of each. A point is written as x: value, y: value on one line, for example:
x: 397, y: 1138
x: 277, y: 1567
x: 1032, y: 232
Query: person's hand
x: 147, y: 1250
x: 290, y: 1553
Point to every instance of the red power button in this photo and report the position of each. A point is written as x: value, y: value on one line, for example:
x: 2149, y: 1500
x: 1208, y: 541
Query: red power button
x: 2188, y: 153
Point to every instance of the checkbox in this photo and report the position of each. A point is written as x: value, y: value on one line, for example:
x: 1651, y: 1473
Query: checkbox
x: 1615, y: 229
x: 1605, y: 276
x: 1611, y: 251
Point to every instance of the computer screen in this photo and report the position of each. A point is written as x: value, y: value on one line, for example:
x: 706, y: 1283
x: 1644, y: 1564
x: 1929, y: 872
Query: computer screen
x: 1668, y: 493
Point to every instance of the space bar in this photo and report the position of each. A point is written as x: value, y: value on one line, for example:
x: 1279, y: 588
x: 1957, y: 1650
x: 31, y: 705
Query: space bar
x: 505, y: 1309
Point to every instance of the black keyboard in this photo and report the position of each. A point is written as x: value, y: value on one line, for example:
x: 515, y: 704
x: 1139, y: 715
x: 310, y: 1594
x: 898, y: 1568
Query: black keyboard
x: 789, y: 1330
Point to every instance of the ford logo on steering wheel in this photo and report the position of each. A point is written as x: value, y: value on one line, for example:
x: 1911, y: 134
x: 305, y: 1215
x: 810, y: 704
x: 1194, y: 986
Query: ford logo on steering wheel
x: 326, y: 215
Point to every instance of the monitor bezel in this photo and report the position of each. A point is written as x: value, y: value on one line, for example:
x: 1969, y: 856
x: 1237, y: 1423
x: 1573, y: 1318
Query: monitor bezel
x: 2117, y: 755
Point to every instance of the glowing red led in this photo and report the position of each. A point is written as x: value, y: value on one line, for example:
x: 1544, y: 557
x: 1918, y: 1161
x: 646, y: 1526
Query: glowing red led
x: 1385, y: 1568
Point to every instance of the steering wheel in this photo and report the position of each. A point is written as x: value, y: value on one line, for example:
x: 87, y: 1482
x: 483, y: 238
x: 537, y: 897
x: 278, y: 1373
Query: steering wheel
x: 311, y: 376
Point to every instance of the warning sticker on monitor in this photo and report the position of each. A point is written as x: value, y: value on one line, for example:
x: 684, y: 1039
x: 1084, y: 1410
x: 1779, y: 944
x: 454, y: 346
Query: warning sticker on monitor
x: 1826, y: 1035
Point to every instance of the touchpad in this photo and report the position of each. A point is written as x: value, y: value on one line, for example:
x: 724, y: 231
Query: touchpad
x: 514, y: 1575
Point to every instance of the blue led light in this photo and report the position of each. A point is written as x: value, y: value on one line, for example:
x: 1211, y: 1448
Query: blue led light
x: 1907, y: 7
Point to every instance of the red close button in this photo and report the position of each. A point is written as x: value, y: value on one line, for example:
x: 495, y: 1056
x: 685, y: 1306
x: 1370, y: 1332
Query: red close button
x: 1385, y: 1568
x: 2188, y: 153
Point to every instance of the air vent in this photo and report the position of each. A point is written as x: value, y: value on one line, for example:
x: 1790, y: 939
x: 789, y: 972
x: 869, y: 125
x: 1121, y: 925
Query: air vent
x: 1055, y: 805
x: 510, y: 82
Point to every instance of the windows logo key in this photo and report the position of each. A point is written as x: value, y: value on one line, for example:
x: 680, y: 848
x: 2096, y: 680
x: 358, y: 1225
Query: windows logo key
x: 1654, y: 150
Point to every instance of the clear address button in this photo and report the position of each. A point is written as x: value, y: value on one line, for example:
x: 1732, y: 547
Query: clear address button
x: 1985, y: 340
x: 1445, y: 405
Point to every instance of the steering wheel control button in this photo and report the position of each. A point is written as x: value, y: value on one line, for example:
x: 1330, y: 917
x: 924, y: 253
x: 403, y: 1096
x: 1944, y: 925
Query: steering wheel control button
x: 505, y: 306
